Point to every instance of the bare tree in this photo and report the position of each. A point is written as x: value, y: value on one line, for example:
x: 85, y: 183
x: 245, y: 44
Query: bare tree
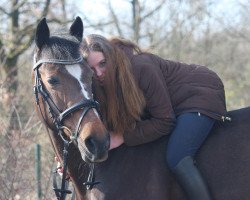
x: 18, y: 131
x: 190, y: 31
x: 193, y: 31
x: 16, y: 38
x: 131, y: 23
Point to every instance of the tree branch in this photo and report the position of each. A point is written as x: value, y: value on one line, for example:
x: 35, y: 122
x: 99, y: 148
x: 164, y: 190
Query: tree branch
x: 45, y: 9
x: 116, y: 21
x: 4, y: 11
x: 158, y: 7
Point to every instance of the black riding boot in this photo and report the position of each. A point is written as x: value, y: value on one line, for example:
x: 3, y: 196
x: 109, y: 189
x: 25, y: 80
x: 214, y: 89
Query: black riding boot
x: 190, y: 179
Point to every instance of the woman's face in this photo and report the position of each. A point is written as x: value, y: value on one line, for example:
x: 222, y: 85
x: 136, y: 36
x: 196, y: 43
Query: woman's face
x: 97, y: 62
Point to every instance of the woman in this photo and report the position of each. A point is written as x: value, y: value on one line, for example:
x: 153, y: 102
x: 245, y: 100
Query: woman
x: 144, y: 97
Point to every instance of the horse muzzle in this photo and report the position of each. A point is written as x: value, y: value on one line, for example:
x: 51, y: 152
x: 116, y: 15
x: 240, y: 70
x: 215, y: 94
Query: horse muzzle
x: 93, y: 149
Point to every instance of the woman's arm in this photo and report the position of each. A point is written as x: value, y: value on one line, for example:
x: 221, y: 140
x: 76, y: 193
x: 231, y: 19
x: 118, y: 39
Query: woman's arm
x: 162, y: 118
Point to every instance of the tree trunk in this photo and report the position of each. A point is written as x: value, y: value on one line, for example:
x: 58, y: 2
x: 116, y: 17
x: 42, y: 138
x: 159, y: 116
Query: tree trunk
x: 11, y: 70
x: 136, y: 20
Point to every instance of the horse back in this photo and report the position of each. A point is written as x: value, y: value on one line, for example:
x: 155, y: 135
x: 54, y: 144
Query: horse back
x: 141, y: 172
x: 224, y: 159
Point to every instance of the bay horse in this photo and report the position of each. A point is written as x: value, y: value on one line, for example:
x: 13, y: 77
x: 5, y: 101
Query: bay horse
x: 65, y: 104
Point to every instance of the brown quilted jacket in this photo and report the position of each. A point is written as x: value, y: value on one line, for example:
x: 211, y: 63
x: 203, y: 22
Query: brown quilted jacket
x: 172, y: 88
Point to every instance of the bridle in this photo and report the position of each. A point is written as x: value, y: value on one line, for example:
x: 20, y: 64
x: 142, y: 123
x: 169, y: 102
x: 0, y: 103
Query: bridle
x: 58, y: 117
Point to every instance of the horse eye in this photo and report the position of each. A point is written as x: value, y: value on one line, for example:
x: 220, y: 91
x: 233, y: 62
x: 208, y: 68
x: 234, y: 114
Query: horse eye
x: 53, y: 80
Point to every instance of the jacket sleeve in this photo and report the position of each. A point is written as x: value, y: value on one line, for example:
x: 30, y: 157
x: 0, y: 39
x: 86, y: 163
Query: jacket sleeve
x: 158, y: 104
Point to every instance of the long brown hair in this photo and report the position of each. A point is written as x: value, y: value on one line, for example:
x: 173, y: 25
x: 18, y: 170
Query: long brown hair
x: 122, y: 102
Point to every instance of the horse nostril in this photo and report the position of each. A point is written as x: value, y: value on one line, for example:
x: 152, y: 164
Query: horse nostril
x: 90, y: 144
x: 107, y: 146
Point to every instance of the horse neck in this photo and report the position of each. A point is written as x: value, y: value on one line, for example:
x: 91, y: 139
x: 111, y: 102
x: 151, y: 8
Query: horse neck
x: 77, y: 168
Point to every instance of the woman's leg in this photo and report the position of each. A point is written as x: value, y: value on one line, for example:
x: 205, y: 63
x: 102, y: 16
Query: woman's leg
x: 190, y: 132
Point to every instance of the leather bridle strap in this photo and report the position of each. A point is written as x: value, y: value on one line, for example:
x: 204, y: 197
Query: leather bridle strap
x: 56, y: 61
x: 61, y: 193
x: 77, y: 106
x: 58, y: 118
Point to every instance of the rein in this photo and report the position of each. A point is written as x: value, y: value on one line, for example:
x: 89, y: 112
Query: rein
x: 58, y: 117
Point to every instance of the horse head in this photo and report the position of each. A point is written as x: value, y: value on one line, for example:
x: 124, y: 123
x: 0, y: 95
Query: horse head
x: 63, y: 91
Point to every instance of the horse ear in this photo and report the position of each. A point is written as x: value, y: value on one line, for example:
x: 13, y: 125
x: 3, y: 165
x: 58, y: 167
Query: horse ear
x: 42, y: 33
x: 76, y: 29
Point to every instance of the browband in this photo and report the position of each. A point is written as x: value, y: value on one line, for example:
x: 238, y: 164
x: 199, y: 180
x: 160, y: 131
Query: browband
x: 57, y: 61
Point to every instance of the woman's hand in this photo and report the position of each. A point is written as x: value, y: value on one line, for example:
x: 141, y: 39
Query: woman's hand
x: 116, y: 140
x: 59, y: 169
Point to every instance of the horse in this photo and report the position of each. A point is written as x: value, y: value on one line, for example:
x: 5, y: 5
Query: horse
x: 64, y: 101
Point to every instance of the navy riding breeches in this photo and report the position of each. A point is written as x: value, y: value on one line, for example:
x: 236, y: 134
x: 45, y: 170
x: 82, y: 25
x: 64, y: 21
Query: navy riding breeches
x: 190, y: 132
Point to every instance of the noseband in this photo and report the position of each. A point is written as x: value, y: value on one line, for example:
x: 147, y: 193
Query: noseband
x: 58, y: 117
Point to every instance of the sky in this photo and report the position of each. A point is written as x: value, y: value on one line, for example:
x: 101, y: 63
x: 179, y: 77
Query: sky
x: 96, y: 10
x: 97, y: 7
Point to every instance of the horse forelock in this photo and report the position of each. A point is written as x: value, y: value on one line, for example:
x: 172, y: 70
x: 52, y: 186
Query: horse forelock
x: 61, y: 47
